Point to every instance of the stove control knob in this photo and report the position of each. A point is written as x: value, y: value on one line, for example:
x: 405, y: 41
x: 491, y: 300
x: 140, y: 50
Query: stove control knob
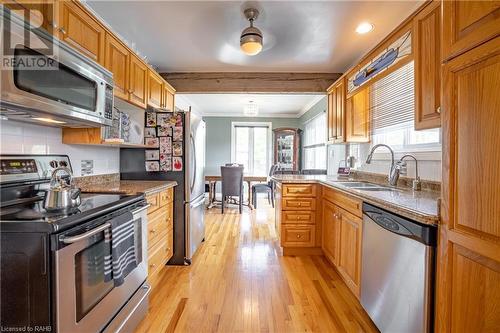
x: 53, y: 163
x: 63, y: 163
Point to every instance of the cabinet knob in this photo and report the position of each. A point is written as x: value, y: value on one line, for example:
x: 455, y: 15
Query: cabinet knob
x: 299, y: 204
x: 130, y: 91
x: 153, y: 231
x: 438, y: 110
x: 62, y: 30
x: 152, y: 265
x: 299, y: 236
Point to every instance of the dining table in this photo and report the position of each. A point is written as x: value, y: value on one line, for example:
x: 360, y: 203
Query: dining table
x: 249, y: 179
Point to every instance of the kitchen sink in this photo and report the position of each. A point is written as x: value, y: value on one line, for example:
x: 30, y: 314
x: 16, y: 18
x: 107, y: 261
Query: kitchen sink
x: 366, y: 186
x: 358, y: 184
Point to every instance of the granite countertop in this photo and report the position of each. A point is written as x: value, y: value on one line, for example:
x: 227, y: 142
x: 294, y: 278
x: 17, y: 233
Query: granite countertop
x: 128, y: 186
x: 421, y: 206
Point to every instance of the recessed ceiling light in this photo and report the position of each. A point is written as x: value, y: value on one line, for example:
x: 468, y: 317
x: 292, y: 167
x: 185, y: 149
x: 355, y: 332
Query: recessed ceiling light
x: 364, y: 28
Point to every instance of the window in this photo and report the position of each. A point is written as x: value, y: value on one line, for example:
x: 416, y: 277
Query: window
x: 251, y: 146
x: 392, y: 108
x: 314, y: 143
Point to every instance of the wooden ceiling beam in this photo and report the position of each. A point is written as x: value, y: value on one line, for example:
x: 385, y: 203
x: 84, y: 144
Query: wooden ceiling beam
x: 243, y: 82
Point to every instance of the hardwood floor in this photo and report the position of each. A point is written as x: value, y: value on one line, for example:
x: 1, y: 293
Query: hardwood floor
x: 239, y: 282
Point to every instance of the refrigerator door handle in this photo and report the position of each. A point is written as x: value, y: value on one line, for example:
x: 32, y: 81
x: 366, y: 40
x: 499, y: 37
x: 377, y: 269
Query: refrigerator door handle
x: 193, y: 181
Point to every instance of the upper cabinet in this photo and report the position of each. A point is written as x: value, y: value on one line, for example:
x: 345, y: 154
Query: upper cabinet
x: 138, y: 82
x: 427, y: 58
x: 357, y: 122
x: 336, y: 112
x: 41, y: 12
x: 116, y: 59
x: 79, y: 29
x: 467, y: 24
x: 155, y: 89
x: 168, y: 97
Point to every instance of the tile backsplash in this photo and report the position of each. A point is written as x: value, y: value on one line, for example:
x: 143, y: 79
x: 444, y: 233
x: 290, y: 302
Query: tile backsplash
x: 24, y: 138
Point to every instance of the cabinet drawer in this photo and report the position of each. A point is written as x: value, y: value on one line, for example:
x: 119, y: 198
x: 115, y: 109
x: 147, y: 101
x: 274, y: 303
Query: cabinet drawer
x: 298, y: 236
x: 299, y: 190
x: 154, y: 202
x: 350, y: 204
x: 298, y: 217
x: 166, y: 196
x: 157, y: 227
x: 158, y: 257
x: 170, y: 244
x: 298, y: 204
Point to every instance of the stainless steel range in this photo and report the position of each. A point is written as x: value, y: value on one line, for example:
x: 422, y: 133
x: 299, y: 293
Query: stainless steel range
x: 53, y: 262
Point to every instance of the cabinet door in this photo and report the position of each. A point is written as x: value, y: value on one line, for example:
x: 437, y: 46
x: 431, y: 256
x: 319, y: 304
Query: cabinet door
x: 81, y: 31
x: 331, y: 232
x: 41, y: 12
x: 468, y: 281
x: 358, y: 117
x: 467, y: 24
x: 169, y: 99
x: 350, y: 249
x: 332, y: 128
x: 155, y: 89
x: 339, y: 103
x: 427, y: 55
x: 138, y: 82
x: 116, y: 59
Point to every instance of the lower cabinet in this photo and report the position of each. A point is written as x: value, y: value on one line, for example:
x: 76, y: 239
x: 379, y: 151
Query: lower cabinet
x: 160, y: 233
x: 342, y: 233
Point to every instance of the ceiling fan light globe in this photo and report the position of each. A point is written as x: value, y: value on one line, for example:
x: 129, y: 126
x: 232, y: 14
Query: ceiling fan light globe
x: 251, y: 41
x: 251, y: 48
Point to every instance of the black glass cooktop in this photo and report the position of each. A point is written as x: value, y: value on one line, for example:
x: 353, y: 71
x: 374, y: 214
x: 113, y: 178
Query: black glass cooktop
x: 33, y: 214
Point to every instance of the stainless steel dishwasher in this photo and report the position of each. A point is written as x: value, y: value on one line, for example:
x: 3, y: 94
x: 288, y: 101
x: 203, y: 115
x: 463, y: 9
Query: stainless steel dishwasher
x: 397, y: 272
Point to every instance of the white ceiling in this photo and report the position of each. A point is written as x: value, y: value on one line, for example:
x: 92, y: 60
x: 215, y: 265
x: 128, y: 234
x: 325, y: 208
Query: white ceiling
x: 299, y: 36
x: 231, y: 105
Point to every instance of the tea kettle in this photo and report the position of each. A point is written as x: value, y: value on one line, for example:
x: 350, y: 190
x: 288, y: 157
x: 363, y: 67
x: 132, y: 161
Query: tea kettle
x: 61, y: 195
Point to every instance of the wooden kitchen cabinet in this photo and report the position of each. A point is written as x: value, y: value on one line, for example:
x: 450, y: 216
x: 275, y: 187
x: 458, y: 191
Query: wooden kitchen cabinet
x: 41, y: 11
x: 331, y: 232
x: 117, y: 58
x: 160, y: 232
x: 427, y: 65
x: 138, y: 82
x: 468, y: 257
x: 468, y: 24
x: 349, y: 263
x: 336, y: 111
x: 79, y: 29
x: 168, y: 97
x: 358, y: 116
x: 155, y: 89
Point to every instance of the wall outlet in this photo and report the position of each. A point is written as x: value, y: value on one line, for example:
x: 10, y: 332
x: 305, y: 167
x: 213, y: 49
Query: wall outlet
x: 87, y: 167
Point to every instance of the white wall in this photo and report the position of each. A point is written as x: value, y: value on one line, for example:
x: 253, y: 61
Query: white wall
x: 23, y: 138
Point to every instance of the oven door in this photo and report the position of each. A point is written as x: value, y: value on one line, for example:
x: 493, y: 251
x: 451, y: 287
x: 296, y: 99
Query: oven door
x: 85, y: 302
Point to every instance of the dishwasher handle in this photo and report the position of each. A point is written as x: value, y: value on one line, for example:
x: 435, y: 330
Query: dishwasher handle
x: 423, y: 233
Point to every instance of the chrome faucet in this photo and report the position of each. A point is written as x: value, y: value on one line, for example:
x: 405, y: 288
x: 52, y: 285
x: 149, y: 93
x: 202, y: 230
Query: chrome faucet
x: 393, y: 172
x: 401, y: 166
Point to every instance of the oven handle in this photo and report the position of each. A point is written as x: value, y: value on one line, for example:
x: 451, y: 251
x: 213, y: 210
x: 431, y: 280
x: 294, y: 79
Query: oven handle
x: 77, y: 238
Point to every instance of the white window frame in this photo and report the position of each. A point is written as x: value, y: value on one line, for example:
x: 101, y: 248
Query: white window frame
x: 323, y: 144
x: 269, y: 126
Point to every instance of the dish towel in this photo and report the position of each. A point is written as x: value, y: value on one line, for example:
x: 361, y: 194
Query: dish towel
x: 121, y: 258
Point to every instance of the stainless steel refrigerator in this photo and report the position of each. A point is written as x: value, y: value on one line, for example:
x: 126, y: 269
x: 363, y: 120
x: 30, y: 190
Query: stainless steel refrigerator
x: 189, y: 195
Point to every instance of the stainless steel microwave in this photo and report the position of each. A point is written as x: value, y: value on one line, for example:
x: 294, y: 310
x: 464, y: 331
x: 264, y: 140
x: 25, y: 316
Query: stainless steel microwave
x: 45, y: 80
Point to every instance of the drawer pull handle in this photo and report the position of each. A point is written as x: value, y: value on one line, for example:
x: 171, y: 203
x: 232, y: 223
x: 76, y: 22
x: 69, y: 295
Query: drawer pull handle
x: 152, y: 265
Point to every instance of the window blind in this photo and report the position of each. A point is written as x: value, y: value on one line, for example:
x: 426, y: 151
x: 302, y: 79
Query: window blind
x: 392, y: 98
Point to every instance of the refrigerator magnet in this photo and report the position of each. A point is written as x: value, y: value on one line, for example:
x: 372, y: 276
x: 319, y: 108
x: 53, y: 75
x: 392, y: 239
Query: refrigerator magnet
x: 177, y: 148
x: 152, y: 142
x: 166, y: 145
x: 151, y: 119
x: 163, y: 119
x: 149, y: 132
x: 176, y: 163
x: 177, y: 135
x: 152, y: 155
x: 152, y: 166
x: 166, y: 164
x: 164, y: 131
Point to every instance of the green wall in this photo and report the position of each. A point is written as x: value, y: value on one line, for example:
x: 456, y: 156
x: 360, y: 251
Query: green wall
x: 320, y: 106
x: 218, y: 138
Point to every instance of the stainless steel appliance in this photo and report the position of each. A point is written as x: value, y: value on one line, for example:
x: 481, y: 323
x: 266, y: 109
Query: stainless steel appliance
x: 61, y: 195
x: 52, y: 268
x: 189, y: 195
x: 45, y: 80
x: 397, y: 272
